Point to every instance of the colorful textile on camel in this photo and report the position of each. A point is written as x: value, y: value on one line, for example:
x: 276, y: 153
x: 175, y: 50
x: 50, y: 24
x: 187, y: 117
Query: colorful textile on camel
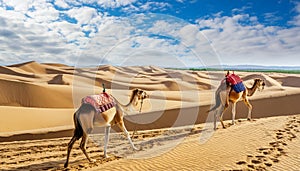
x: 233, y: 79
x: 102, y: 102
x: 239, y: 87
x: 236, y: 82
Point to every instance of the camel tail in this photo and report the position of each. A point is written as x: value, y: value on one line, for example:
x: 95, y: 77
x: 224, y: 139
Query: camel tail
x: 218, y: 102
x: 78, y: 132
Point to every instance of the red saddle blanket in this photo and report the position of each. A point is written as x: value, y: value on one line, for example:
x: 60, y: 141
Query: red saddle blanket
x: 233, y: 79
x: 102, y: 102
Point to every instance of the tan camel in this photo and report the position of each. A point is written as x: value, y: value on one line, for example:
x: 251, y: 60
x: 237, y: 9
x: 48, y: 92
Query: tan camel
x: 86, y: 117
x: 225, y: 94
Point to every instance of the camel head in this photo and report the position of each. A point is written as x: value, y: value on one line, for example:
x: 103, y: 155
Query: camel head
x: 141, y: 94
x: 259, y: 83
x: 138, y: 95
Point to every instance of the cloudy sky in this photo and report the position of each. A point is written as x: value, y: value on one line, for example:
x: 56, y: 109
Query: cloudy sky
x: 167, y: 33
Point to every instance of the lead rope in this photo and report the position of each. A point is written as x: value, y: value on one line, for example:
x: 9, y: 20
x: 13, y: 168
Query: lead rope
x: 134, y: 132
x: 103, y: 86
x: 141, y: 105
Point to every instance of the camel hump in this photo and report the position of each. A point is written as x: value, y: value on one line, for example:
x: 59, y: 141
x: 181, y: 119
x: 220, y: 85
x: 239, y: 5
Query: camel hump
x: 101, y: 102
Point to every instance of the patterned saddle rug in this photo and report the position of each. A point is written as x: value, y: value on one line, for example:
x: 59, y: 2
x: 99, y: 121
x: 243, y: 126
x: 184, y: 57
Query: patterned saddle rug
x: 102, y: 102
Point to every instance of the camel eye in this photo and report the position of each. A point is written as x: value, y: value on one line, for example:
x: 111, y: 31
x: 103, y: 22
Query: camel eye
x: 145, y: 95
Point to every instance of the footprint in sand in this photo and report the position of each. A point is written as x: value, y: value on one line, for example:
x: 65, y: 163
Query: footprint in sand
x: 268, y: 164
x: 256, y: 161
x: 241, y: 162
x: 269, y: 155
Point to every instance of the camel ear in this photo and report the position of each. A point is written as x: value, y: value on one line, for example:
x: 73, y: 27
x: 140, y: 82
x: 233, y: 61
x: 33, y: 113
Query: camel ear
x: 134, y: 91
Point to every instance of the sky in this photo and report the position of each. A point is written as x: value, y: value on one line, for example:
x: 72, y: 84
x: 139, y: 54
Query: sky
x: 166, y: 33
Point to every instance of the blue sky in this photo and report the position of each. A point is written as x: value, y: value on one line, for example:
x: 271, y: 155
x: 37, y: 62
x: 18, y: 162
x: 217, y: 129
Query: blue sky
x: 167, y: 33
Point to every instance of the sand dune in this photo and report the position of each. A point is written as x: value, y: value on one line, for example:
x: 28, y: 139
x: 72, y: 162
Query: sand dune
x: 38, y: 101
x: 58, y: 79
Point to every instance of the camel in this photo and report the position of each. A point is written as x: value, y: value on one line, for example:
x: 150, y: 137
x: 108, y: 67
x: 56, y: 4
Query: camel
x: 226, y: 94
x: 86, y: 117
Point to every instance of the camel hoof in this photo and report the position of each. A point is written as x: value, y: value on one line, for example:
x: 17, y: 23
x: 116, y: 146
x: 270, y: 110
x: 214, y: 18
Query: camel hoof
x: 249, y: 119
x: 106, y: 156
x: 66, y: 165
x: 135, y: 149
x: 92, y: 161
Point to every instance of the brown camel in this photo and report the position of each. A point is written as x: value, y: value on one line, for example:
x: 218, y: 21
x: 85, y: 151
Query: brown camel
x: 86, y: 117
x: 225, y: 94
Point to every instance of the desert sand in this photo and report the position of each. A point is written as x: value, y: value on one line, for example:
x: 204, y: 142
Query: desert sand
x: 173, y: 131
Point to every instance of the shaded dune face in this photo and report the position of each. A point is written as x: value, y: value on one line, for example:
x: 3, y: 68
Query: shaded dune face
x: 58, y: 79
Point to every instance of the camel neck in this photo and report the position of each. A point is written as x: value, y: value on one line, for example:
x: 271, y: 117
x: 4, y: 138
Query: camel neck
x: 128, y: 105
x: 253, y: 89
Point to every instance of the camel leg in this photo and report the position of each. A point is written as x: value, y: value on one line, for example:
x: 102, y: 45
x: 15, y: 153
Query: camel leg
x: 221, y: 120
x: 215, y: 120
x: 70, y: 146
x: 233, y: 112
x: 220, y: 117
x: 106, y: 139
x: 246, y: 101
x: 83, y: 146
x: 123, y: 128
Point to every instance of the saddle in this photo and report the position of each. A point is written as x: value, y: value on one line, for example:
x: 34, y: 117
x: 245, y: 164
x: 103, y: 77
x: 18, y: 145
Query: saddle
x: 102, y: 102
x: 235, y: 82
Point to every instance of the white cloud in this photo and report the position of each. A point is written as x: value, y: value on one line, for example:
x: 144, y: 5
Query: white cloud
x: 61, y: 3
x: 27, y: 34
x: 241, y: 10
x: 44, y: 12
x: 66, y: 30
x: 296, y: 19
x: 187, y: 35
x: 251, y: 43
x: 164, y: 27
x: 12, y: 15
x: 150, y: 5
x: 114, y: 3
x: 271, y: 17
x: 164, y: 41
x: 82, y: 14
x: 19, y: 5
